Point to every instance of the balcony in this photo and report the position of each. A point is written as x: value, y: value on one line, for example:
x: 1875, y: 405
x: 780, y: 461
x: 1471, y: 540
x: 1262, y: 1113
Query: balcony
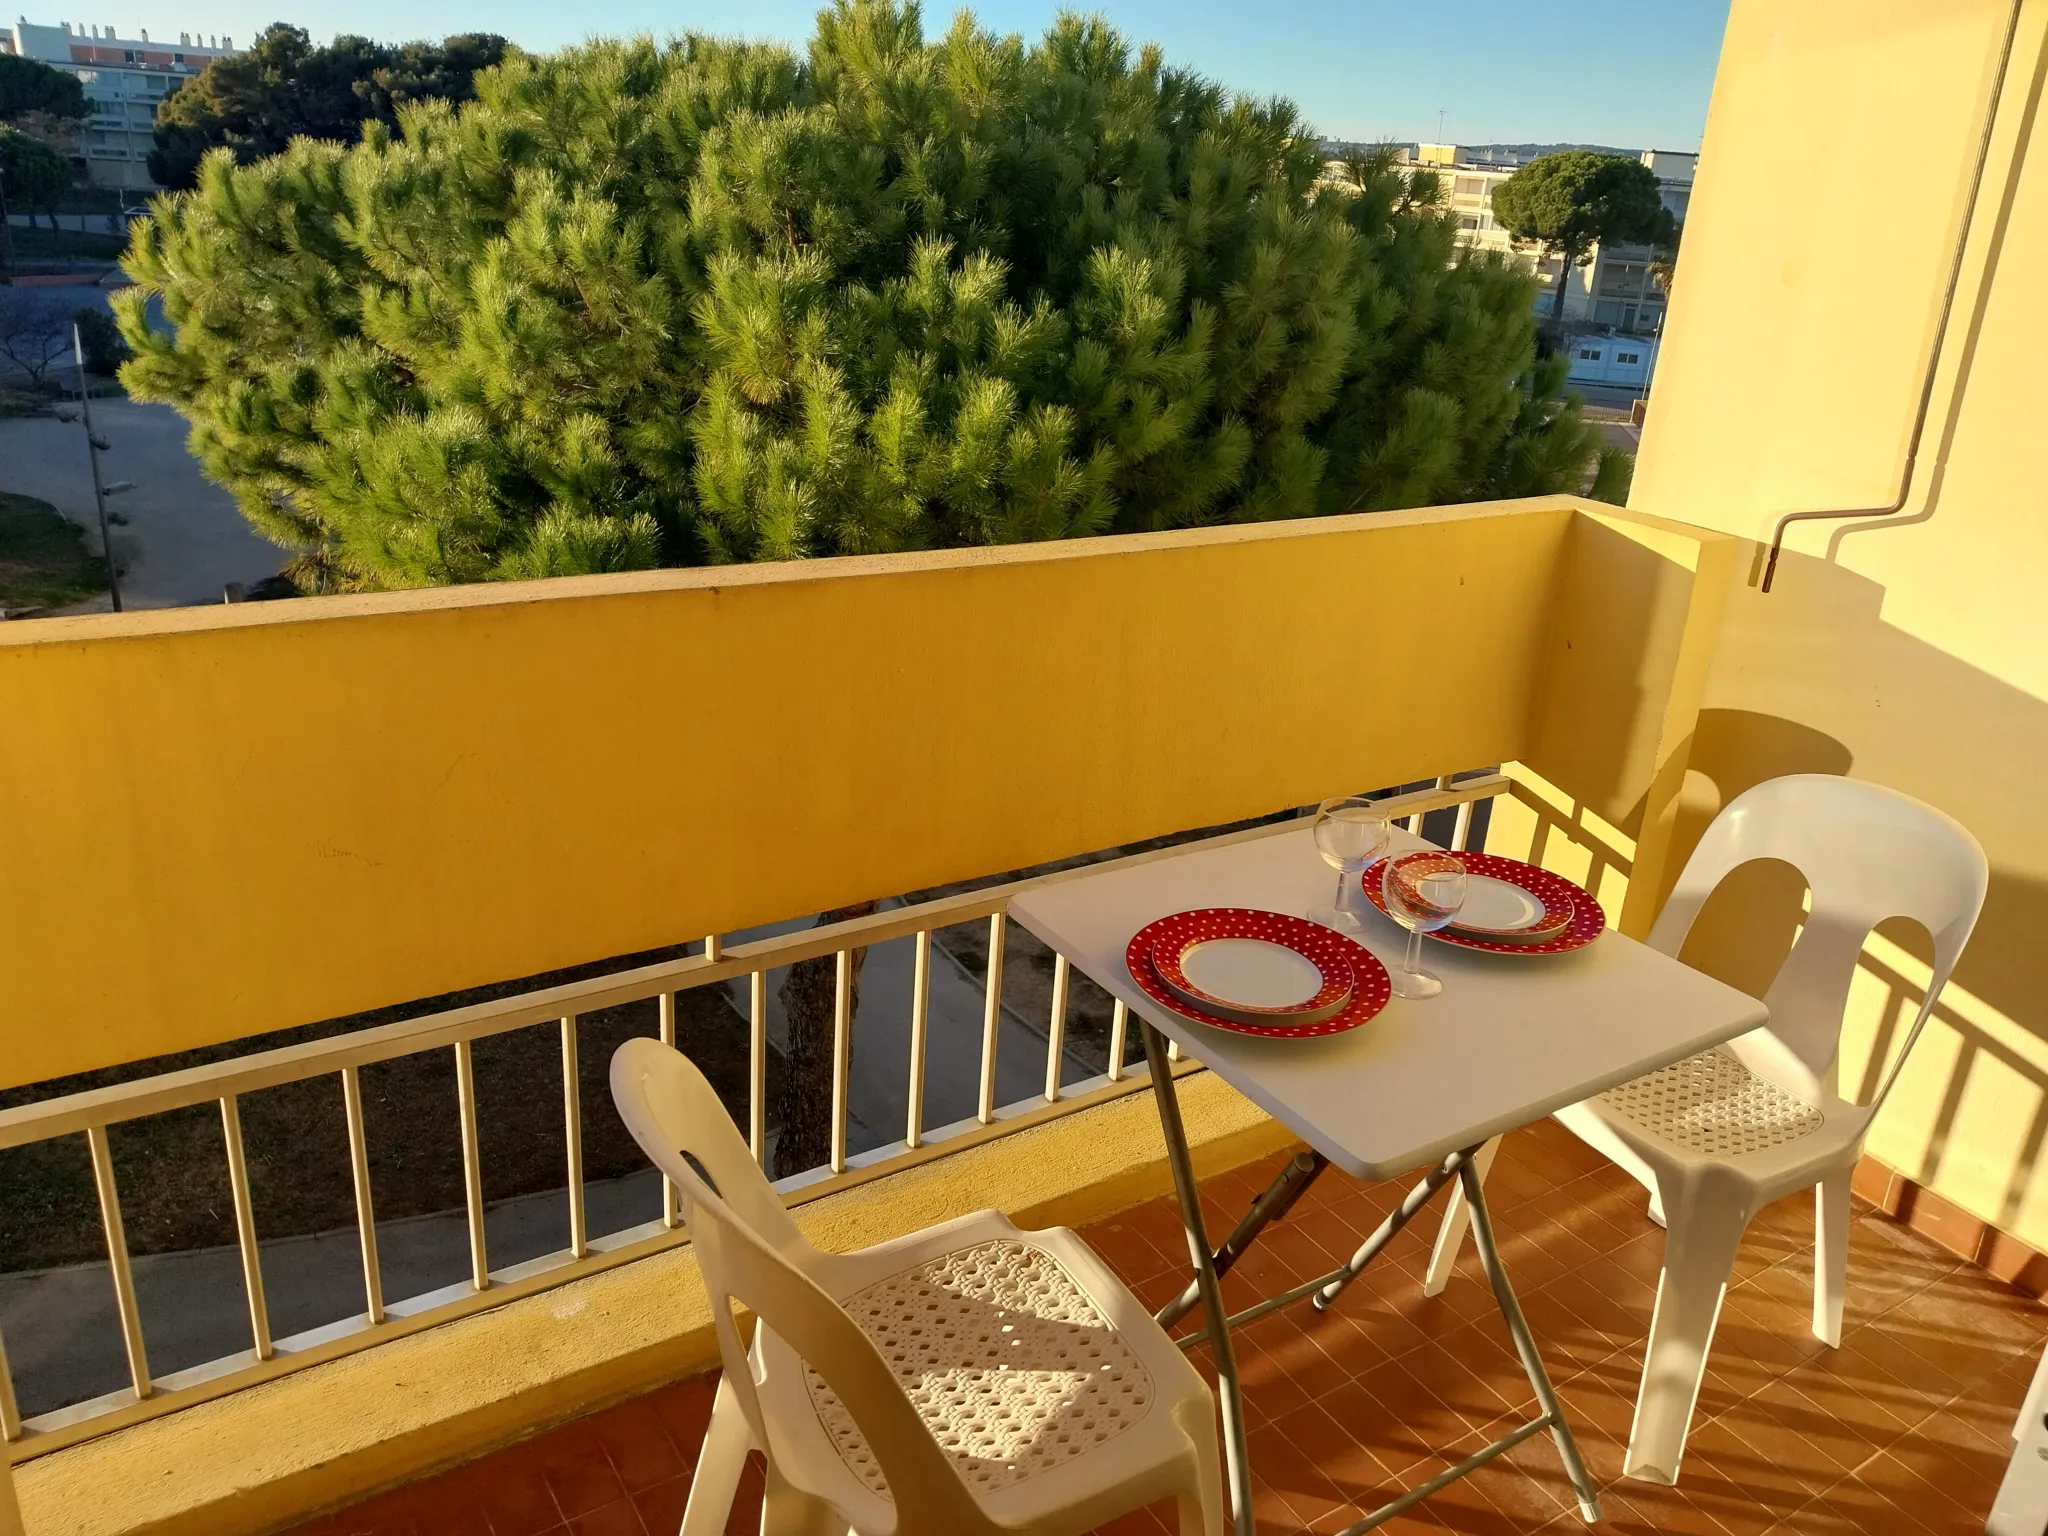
x: 1905, y: 1429
x: 485, y: 832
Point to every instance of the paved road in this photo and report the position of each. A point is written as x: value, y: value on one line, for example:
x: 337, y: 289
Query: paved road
x: 184, y: 539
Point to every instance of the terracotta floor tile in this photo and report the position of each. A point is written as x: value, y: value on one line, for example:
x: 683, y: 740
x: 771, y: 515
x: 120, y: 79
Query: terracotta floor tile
x: 449, y: 1505
x: 513, y: 1493
x: 1152, y: 1521
x: 637, y: 1445
x: 1640, y: 1509
x: 685, y: 1412
x: 577, y: 1470
x: 661, y: 1507
x: 618, y: 1518
x: 391, y: 1515
x: 745, y: 1519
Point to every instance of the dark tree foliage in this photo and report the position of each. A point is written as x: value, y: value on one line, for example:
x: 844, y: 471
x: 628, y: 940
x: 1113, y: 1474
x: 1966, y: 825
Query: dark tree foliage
x: 1569, y: 203
x: 100, y: 338
x: 31, y: 89
x: 284, y: 87
x: 33, y: 176
x: 40, y: 110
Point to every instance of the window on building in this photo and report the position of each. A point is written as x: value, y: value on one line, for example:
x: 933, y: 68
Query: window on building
x: 1590, y: 354
x: 1469, y: 186
x: 1628, y: 357
x: 1607, y: 312
x: 1468, y: 222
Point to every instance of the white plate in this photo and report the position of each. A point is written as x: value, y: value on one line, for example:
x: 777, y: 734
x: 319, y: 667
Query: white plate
x: 1498, y: 906
x: 1251, y: 973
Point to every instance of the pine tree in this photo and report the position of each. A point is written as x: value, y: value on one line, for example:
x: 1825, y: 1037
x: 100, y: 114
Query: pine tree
x: 707, y: 301
x: 710, y: 301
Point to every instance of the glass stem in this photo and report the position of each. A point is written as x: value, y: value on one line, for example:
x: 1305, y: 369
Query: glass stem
x: 1339, y: 903
x: 1413, y: 961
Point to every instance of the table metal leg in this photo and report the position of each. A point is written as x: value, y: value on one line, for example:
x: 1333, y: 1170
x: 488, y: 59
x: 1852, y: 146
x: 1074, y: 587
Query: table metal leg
x: 1525, y: 1345
x: 1416, y: 1199
x: 1277, y: 1200
x: 1237, y: 1465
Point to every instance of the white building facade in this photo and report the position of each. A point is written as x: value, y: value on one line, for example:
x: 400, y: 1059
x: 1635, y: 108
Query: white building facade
x: 125, y: 78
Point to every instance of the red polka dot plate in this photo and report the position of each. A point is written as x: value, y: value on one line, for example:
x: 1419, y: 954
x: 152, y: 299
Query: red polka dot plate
x: 1554, y: 892
x: 1342, y: 985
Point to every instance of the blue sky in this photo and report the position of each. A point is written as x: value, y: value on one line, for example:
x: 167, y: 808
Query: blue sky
x: 1621, y: 72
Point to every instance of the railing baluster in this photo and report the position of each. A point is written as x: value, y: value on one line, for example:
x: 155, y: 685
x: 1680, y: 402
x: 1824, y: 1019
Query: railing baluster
x: 10, y: 1406
x: 757, y: 1066
x: 1461, y: 829
x: 920, y: 1011
x: 572, y: 1120
x: 472, y: 1166
x: 842, y: 1052
x: 245, y: 1226
x: 671, y: 1200
x: 366, y: 1215
x: 714, y: 947
x: 117, y: 1255
x: 1119, y: 1036
x: 991, y: 1021
x: 1056, y: 1031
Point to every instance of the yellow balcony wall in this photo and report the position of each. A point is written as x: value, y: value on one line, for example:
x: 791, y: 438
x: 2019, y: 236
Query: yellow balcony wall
x: 1910, y: 650
x: 263, y: 815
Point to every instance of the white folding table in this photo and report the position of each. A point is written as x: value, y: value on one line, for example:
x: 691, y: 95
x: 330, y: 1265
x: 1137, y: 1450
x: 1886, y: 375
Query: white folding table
x: 1424, y: 1085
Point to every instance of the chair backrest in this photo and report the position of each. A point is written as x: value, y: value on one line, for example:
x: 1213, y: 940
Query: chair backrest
x: 1867, y: 853
x: 751, y: 1251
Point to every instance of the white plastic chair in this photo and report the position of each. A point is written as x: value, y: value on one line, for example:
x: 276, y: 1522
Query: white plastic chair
x: 1717, y: 1137
x: 967, y: 1380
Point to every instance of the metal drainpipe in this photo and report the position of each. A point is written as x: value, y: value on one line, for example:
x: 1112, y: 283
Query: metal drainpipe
x: 1948, y: 300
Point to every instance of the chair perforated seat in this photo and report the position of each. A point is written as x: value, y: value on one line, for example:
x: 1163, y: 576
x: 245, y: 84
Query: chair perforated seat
x: 1005, y: 1358
x: 1711, y: 1103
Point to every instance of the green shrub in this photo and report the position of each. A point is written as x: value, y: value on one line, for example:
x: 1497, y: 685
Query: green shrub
x: 105, y: 350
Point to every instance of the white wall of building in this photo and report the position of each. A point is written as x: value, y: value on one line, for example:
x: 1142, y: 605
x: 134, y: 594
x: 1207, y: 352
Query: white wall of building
x: 124, y: 78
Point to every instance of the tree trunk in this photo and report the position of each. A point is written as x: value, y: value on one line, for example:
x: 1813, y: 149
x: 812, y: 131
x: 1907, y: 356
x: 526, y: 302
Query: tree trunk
x: 1564, y: 277
x: 807, y: 999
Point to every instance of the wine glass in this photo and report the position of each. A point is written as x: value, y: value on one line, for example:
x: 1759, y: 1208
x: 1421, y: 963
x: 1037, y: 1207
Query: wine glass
x: 1423, y: 892
x: 1351, y: 833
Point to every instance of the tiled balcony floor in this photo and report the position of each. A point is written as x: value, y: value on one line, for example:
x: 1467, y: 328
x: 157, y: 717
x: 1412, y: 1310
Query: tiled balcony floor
x: 1904, y: 1430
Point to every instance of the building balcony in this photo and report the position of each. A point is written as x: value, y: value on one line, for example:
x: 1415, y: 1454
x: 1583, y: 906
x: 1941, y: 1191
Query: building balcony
x: 420, y: 811
x: 319, y: 919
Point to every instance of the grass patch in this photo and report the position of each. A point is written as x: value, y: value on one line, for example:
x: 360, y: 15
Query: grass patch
x: 43, y: 558
x: 22, y: 402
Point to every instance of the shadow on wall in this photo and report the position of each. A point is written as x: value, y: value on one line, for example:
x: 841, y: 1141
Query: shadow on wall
x: 1811, y: 679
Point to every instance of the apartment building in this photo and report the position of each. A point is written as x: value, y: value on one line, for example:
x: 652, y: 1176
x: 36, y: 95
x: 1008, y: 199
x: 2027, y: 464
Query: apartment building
x: 124, y: 78
x: 1617, y: 290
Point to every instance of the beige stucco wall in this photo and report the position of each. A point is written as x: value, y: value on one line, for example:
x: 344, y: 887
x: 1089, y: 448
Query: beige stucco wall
x: 1914, y: 651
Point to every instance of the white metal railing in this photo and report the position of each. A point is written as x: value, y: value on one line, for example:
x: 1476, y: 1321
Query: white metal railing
x: 344, y: 1057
